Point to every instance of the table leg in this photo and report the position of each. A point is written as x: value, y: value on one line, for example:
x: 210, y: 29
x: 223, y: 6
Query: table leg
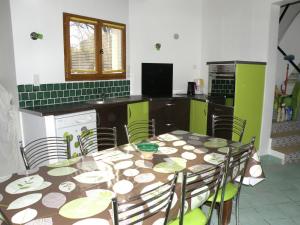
x: 227, y: 207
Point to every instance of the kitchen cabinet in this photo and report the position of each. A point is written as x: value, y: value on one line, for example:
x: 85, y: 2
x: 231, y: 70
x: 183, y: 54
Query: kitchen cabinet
x: 198, y: 117
x: 169, y: 114
x: 216, y: 109
x: 248, y: 101
x: 113, y: 115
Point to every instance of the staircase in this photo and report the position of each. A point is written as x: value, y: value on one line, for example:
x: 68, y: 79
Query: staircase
x: 286, y: 141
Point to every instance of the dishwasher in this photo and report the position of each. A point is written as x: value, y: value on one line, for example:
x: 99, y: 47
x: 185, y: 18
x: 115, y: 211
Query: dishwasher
x: 72, y: 124
x: 75, y: 124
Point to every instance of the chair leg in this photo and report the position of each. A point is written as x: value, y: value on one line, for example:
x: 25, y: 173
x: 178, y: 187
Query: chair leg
x: 220, y: 214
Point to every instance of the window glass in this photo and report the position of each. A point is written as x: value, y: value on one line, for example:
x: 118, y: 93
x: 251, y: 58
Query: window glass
x: 82, y: 43
x: 112, y: 49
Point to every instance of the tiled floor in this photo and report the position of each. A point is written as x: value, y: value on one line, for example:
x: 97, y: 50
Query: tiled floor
x: 274, y: 201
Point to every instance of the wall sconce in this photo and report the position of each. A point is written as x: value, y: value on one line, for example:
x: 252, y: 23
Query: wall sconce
x: 35, y: 36
x: 158, y: 46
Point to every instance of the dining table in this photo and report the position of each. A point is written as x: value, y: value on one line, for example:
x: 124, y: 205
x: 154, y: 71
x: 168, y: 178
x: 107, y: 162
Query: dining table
x: 78, y: 191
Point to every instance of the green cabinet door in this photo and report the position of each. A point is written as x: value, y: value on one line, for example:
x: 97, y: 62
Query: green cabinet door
x: 198, y: 117
x: 138, y: 111
x: 248, y: 102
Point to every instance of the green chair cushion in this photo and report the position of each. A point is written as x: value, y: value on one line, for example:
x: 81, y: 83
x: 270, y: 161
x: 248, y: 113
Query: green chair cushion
x: 230, y: 191
x: 193, y: 217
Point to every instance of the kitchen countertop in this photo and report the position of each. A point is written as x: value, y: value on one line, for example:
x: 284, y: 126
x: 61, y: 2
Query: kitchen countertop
x: 92, y: 104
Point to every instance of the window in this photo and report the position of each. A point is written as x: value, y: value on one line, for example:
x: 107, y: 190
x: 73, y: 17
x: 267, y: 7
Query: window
x: 94, y: 49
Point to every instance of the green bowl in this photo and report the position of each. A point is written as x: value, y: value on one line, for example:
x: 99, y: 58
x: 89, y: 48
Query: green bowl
x: 147, y: 147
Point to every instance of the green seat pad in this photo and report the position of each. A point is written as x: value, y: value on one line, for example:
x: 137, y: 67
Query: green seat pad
x: 230, y: 191
x: 193, y: 217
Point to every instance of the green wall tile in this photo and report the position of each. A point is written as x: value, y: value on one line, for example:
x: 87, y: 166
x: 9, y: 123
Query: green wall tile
x: 22, y: 104
x: 24, y: 96
x: 50, y: 101
x: 58, y: 93
x: 43, y: 87
x: 56, y: 87
x: 21, y: 88
x: 63, y: 86
x: 37, y: 102
x: 28, y: 87
x: 72, y: 93
x: 47, y: 94
x: 40, y: 95
x: 29, y: 103
x: 53, y: 94
x: 32, y: 96
x: 49, y: 87
x: 66, y: 93
x: 36, y: 88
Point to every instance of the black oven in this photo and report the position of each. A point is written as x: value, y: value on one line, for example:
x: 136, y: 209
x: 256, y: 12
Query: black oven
x: 221, y: 85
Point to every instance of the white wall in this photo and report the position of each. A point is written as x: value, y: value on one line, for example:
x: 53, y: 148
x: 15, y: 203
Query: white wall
x: 243, y: 30
x: 291, y: 45
x: 156, y: 21
x: 46, y: 57
x: 10, y: 158
x: 7, y: 64
x: 235, y: 30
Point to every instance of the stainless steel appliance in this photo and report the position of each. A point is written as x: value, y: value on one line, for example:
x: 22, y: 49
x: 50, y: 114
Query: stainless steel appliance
x: 221, y: 83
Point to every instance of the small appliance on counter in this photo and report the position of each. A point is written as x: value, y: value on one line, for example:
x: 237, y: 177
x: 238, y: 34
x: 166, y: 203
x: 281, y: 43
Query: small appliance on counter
x: 191, y: 88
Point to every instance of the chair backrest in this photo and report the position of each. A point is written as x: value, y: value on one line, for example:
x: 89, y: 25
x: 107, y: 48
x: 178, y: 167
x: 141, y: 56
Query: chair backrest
x: 239, y: 157
x: 204, y: 183
x: 222, y: 125
x: 140, y: 130
x: 42, y: 150
x: 145, y: 205
x: 94, y: 140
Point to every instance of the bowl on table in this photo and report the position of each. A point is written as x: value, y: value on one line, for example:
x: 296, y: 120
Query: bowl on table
x: 147, y: 149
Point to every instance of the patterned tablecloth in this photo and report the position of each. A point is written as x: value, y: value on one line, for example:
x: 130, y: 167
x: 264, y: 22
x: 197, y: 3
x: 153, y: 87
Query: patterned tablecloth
x: 79, y: 191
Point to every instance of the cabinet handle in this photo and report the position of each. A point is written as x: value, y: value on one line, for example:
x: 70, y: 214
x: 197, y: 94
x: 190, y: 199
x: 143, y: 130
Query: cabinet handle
x: 170, y: 104
x: 204, y: 112
x: 168, y: 124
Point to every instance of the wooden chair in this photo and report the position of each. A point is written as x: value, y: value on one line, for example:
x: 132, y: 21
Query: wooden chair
x: 230, y: 189
x: 140, y: 130
x: 204, y: 184
x: 42, y: 150
x: 228, y: 127
x: 145, y: 205
x: 97, y: 139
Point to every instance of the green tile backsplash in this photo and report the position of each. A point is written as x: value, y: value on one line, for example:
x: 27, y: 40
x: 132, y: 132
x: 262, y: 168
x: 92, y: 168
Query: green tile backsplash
x: 59, y: 93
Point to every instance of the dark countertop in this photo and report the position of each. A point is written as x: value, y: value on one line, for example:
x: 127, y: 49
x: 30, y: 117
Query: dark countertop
x: 236, y: 62
x: 82, y: 106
